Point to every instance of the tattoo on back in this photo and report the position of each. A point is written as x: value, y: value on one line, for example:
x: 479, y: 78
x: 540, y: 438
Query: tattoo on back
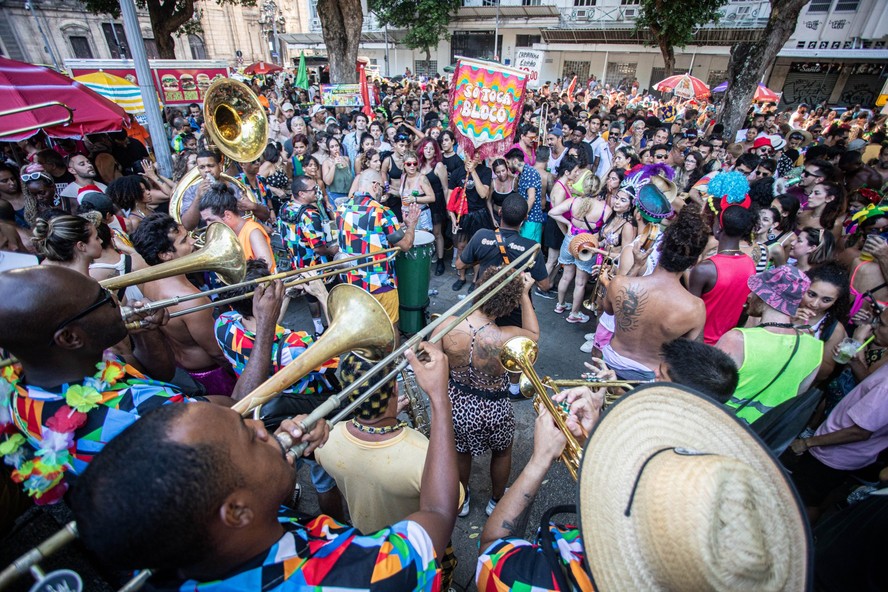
x: 630, y: 304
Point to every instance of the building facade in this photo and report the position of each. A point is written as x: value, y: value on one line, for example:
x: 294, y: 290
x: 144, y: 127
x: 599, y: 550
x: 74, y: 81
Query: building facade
x: 52, y: 31
x: 837, y: 54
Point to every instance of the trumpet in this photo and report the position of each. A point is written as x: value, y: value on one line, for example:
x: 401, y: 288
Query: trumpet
x: 518, y: 355
x: 496, y: 282
x: 528, y: 389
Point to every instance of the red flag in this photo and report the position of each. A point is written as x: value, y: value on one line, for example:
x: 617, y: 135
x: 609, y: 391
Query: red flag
x: 365, y: 92
x: 571, y: 88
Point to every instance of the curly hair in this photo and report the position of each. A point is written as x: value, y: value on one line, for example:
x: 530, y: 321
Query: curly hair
x: 506, y: 300
x: 126, y: 191
x: 683, y: 240
x: 180, y: 164
x: 835, y: 274
x: 152, y: 237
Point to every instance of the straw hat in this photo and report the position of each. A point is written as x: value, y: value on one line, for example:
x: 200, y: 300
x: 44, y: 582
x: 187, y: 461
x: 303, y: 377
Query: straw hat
x: 676, y: 494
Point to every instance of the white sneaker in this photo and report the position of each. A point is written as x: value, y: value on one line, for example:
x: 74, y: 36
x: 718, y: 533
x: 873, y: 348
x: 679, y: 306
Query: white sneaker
x: 589, y: 336
x: 587, y: 347
x: 491, y: 504
x: 464, y: 511
x: 577, y: 317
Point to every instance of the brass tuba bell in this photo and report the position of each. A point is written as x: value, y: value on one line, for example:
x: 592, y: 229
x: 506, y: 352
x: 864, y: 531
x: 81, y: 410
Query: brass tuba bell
x: 235, y: 120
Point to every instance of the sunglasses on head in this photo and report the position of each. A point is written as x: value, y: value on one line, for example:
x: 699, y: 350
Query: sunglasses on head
x: 28, y: 177
x: 401, y: 138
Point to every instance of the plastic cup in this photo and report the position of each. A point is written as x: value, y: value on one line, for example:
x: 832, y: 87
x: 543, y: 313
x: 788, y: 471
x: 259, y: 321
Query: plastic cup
x: 847, y: 349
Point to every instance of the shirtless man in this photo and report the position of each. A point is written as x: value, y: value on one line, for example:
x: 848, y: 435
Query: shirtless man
x: 857, y: 174
x: 651, y: 310
x: 191, y: 337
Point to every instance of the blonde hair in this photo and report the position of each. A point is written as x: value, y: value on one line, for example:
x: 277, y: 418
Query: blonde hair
x: 57, y: 237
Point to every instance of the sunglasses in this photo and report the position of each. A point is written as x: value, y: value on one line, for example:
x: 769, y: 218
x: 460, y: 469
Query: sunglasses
x: 807, y: 174
x: 661, y: 156
x: 105, y: 296
x: 28, y: 177
x: 410, y: 164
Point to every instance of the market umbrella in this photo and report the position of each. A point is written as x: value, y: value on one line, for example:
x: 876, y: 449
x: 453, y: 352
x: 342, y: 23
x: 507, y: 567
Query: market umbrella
x: 763, y: 94
x: 684, y: 86
x: 262, y: 68
x: 120, y: 90
x: 23, y: 85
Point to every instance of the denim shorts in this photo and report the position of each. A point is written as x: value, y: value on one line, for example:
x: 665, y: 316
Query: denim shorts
x: 321, y: 480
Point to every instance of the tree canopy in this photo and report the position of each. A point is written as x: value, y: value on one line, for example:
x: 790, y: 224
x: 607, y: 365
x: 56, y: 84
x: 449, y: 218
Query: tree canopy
x: 672, y: 24
x: 168, y: 18
x: 425, y: 20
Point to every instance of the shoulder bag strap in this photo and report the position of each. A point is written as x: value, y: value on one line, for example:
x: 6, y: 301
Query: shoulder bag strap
x: 795, y: 348
x: 547, y: 542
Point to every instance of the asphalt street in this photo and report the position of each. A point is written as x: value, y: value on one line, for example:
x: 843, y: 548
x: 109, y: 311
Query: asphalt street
x: 559, y: 357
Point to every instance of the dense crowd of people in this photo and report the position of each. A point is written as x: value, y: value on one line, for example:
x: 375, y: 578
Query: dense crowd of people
x: 749, y: 269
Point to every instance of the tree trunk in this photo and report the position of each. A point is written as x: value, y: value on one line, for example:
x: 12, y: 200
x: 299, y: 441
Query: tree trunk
x: 341, y: 22
x: 165, y: 21
x: 668, y: 60
x: 749, y: 62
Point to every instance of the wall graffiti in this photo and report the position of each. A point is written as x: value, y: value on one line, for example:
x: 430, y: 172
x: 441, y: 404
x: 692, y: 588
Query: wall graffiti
x: 811, y: 90
x: 861, y: 92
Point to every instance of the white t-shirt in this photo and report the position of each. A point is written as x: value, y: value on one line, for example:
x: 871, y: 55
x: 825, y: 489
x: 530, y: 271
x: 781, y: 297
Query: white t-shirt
x: 71, y: 190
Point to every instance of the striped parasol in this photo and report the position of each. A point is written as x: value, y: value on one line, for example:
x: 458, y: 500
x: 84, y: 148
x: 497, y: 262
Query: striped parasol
x: 684, y: 86
x: 120, y: 90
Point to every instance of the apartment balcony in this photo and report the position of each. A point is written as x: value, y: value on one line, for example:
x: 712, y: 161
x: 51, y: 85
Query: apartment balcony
x: 616, y: 24
x: 508, y: 9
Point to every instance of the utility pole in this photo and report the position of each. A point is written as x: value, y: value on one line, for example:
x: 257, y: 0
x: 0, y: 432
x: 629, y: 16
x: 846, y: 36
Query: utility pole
x: 149, y: 94
x: 496, y: 33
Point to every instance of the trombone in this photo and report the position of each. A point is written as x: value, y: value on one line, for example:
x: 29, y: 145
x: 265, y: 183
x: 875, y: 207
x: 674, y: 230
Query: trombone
x: 175, y: 300
x: 501, y: 279
x: 525, y: 384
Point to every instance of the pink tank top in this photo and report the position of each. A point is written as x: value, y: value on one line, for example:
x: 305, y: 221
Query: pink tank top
x: 724, y: 302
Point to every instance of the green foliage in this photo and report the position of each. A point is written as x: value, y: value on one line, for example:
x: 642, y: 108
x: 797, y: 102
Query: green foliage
x: 164, y: 11
x: 672, y: 23
x: 425, y: 20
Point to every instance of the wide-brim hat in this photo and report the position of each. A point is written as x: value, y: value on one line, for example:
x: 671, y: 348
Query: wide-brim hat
x: 677, y: 494
x: 807, y: 138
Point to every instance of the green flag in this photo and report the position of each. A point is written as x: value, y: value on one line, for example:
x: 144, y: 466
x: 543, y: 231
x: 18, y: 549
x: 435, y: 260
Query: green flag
x: 302, y: 74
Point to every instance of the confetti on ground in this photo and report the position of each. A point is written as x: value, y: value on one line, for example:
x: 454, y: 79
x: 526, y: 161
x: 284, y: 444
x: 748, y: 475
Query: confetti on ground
x: 474, y: 535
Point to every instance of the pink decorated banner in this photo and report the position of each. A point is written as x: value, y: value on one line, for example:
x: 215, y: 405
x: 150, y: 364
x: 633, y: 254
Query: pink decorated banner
x: 486, y: 100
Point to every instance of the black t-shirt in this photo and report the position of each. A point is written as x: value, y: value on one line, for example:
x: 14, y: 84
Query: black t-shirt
x: 453, y: 163
x: 484, y: 250
x: 130, y: 156
x: 474, y: 200
x: 63, y: 181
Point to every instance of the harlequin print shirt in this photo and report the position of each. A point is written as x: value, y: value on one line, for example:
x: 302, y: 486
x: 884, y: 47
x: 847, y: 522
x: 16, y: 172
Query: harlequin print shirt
x: 48, y: 433
x: 364, y: 225
x: 302, y: 230
x: 518, y: 565
x: 237, y: 345
x: 322, y: 554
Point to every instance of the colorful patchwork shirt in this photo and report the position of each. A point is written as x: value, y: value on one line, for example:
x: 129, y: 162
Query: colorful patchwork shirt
x: 322, y: 554
x: 45, y: 434
x: 518, y: 565
x: 364, y: 225
x: 302, y: 233
x: 237, y: 345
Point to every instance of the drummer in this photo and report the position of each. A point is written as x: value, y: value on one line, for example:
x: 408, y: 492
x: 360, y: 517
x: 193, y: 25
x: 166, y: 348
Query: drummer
x: 366, y: 226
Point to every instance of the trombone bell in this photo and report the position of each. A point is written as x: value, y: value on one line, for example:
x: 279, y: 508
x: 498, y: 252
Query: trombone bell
x: 358, y: 323
x: 222, y: 254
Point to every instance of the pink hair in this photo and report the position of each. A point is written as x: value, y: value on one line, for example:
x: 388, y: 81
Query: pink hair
x: 420, y: 152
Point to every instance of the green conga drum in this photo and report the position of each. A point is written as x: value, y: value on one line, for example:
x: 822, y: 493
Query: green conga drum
x: 414, y: 270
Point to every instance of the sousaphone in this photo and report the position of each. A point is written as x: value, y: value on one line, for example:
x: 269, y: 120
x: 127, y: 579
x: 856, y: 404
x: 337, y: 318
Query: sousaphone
x: 237, y: 126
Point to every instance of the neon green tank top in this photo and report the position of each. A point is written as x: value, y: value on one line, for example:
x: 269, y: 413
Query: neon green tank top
x: 764, y: 354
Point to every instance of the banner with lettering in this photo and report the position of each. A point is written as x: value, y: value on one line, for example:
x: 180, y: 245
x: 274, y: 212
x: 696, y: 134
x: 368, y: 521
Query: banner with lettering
x: 485, y: 106
x: 341, y: 95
